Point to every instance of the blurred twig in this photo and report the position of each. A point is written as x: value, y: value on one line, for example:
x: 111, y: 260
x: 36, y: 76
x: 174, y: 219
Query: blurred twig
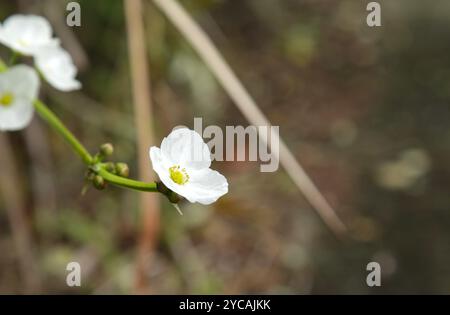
x: 15, y: 209
x: 142, y: 111
x: 222, y: 71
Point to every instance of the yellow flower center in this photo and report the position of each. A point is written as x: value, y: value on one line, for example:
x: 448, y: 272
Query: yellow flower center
x: 6, y: 99
x: 178, y: 175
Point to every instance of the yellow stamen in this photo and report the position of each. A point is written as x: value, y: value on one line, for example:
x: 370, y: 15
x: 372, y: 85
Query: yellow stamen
x: 6, y: 99
x: 179, y: 176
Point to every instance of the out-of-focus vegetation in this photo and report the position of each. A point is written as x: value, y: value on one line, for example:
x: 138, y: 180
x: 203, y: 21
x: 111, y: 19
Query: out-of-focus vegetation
x: 365, y: 110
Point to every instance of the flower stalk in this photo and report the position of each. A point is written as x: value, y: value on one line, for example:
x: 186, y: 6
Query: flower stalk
x: 60, y: 128
x: 122, y: 181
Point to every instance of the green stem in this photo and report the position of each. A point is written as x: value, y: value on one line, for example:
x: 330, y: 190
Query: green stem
x: 124, y: 182
x: 59, y: 127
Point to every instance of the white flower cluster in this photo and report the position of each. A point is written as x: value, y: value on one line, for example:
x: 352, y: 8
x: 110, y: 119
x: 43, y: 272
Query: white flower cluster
x: 31, y: 35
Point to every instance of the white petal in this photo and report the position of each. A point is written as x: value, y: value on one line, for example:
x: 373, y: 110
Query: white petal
x: 186, y: 148
x: 161, y: 167
x: 58, y: 68
x: 205, y: 186
x: 21, y: 80
x: 27, y: 34
x: 17, y: 116
x: 23, y: 83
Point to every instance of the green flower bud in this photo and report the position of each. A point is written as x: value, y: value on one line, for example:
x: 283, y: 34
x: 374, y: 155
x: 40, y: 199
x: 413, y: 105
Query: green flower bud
x: 106, y: 149
x: 99, y: 182
x: 110, y: 167
x: 122, y: 169
x: 89, y: 175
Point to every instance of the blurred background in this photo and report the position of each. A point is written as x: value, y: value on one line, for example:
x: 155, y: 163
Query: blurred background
x: 365, y: 110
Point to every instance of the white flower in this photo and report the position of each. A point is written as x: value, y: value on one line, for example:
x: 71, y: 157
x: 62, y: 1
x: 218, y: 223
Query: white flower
x: 58, y: 69
x: 31, y: 35
x: 27, y: 34
x: 183, y: 164
x: 19, y: 86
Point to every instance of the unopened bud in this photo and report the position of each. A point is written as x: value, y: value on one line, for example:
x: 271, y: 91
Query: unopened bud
x: 122, y: 169
x: 110, y: 167
x: 89, y: 175
x: 99, y: 182
x: 106, y: 149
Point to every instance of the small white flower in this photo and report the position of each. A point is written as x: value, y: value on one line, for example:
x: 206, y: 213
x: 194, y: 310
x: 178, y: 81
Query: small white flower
x: 19, y: 86
x: 183, y: 165
x: 27, y: 34
x: 57, y: 67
